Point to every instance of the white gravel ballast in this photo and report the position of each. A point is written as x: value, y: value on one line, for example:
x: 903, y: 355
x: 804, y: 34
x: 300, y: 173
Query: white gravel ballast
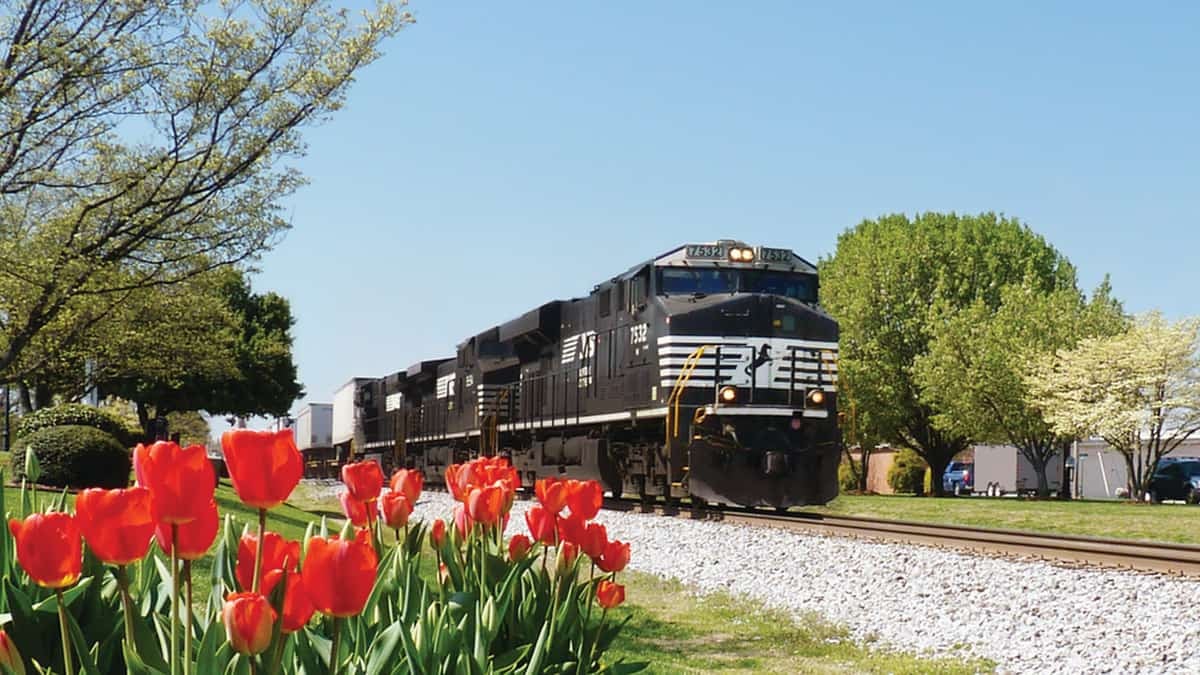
x: 1027, y: 617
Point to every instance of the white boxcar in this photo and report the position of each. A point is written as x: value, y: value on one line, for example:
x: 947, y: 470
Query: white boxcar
x: 1002, y: 469
x: 314, y: 426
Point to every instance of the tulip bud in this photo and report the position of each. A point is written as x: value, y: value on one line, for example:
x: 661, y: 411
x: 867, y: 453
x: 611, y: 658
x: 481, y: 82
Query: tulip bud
x: 567, y: 552
x: 518, y: 547
x: 10, y: 658
x: 248, y: 619
x: 437, y: 533
x: 396, y: 509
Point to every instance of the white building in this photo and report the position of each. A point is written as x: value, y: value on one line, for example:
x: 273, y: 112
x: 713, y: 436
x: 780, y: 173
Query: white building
x: 347, y: 427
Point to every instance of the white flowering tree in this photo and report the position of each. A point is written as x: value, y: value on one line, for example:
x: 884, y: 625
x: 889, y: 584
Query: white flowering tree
x: 1138, y: 390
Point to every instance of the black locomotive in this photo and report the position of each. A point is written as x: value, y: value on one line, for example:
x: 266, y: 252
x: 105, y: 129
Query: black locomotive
x: 707, y: 372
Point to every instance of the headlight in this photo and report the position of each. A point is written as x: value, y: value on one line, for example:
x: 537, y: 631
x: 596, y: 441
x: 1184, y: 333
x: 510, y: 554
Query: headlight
x: 728, y: 394
x: 816, y: 396
x: 741, y: 254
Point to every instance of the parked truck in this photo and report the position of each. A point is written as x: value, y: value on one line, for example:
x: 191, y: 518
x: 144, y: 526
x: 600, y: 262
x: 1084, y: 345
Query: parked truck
x: 1003, y: 470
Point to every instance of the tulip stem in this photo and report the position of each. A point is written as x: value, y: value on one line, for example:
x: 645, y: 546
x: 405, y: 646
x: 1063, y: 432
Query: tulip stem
x: 592, y: 650
x: 334, y: 661
x: 126, y: 604
x: 174, y: 597
x: 62, y: 627
x: 258, y: 552
x: 587, y: 619
x: 187, y: 618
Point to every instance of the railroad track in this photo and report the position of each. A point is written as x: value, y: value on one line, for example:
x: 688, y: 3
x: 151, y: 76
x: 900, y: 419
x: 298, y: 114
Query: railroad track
x: 1179, y: 559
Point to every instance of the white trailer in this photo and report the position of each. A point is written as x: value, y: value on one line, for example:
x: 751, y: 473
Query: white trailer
x: 314, y: 426
x: 1002, y: 469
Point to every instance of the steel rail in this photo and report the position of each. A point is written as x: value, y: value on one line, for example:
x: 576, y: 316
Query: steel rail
x: 1145, y: 556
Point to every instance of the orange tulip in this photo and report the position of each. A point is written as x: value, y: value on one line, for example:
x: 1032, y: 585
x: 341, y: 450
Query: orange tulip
x: 572, y: 529
x: 297, y: 608
x: 485, y: 504
x: 277, y: 553
x: 117, y: 524
x: 195, y: 538
x: 49, y: 548
x: 459, y: 479
x: 518, y: 547
x: 437, y: 533
x: 541, y: 525
x: 360, y: 514
x: 10, y: 658
x: 585, y: 498
x: 363, y: 479
x: 552, y: 493
x: 265, y: 466
x: 396, y: 509
x: 609, y: 594
x: 248, y: 619
x: 408, y: 482
x: 339, y: 574
x: 181, y: 480
x: 615, y: 558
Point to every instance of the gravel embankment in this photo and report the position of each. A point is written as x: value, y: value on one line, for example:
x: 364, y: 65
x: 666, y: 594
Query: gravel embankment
x: 1028, y: 617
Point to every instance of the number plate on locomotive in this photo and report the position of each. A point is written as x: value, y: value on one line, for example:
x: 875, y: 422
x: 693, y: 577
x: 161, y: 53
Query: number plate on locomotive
x: 706, y: 251
x: 774, y: 254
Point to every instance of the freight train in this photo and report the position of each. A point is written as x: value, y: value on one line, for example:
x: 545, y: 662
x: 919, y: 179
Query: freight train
x: 707, y: 372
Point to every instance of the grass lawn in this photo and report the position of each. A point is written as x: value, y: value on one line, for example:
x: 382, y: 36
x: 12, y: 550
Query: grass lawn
x: 1178, y: 523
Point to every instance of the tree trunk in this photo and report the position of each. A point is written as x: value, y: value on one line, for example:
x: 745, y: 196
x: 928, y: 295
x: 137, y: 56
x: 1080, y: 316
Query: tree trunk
x: 937, y: 467
x: 864, y: 468
x: 143, y: 413
x: 24, y: 399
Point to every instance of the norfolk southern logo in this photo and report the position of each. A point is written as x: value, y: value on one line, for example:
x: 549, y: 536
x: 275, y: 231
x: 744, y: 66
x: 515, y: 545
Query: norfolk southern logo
x: 764, y: 356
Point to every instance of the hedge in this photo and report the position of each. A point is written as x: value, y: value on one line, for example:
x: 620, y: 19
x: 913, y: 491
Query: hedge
x: 907, y: 473
x: 75, y: 456
x: 79, y: 414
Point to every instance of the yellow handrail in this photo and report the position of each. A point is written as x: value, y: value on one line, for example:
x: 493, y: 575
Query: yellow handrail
x: 685, y: 374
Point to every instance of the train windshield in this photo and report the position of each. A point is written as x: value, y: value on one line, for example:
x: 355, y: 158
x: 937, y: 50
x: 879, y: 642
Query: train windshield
x: 714, y: 280
x: 688, y: 280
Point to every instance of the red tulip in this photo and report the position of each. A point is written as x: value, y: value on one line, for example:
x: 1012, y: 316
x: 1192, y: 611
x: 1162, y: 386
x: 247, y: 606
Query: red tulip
x: 264, y: 465
x: 10, y: 658
x: 609, y: 594
x: 181, y: 480
x: 195, y: 538
x: 459, y: 479
x: 360, y: 514
x: 541, y: 525
x: 485, y: 504
x: 408, y: 482
x: 572, y: 529
x: 595, y: 539
x: 615, y: 558
x: 552, y: 493
x: 248, y: 619
x: 339, y: 574
x: 117, y: 524
x: 585, y: 498
x: 462, y: 521
x: 396, y: 509
x: 518, y: 547
x: 297, y: 608
x: 363, y: 479
x: 277, y: 553
x: 49, y: 548
x: 437, y: 533
x: 443, y: 573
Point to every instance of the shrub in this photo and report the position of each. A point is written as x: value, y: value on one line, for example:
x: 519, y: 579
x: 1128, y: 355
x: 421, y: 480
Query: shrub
x: 78, y: 414
x: 847, y: 478
x: 907, y: 473
x: 75, y: 456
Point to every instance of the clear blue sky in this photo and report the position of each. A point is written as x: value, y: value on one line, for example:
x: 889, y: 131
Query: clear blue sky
x: 503, y: 154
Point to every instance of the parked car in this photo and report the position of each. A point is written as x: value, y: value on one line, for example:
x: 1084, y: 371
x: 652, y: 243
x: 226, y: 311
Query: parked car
x: 1176, y: 479
x: 959, y: 478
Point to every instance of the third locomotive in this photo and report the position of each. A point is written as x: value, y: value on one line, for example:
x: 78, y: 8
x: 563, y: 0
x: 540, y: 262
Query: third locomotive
x: 707, y: 372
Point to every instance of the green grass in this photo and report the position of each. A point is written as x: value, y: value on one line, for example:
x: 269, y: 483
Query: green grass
x: 670, y: 627
x: 680, y: 633
x: 1177, y: 523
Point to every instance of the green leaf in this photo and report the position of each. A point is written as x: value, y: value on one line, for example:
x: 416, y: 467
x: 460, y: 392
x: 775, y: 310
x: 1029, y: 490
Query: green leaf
x: 87, y: 657
x: 134, y: 664
x: 50, y: 604
x: 209, y: 654
x: 382, y: 654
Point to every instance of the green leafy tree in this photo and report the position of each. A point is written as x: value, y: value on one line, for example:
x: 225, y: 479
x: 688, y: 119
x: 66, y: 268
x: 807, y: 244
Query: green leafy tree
x: 974, y: 371
x: 144, y: 143
x: 1139, y: 390
x: 892, y: 280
